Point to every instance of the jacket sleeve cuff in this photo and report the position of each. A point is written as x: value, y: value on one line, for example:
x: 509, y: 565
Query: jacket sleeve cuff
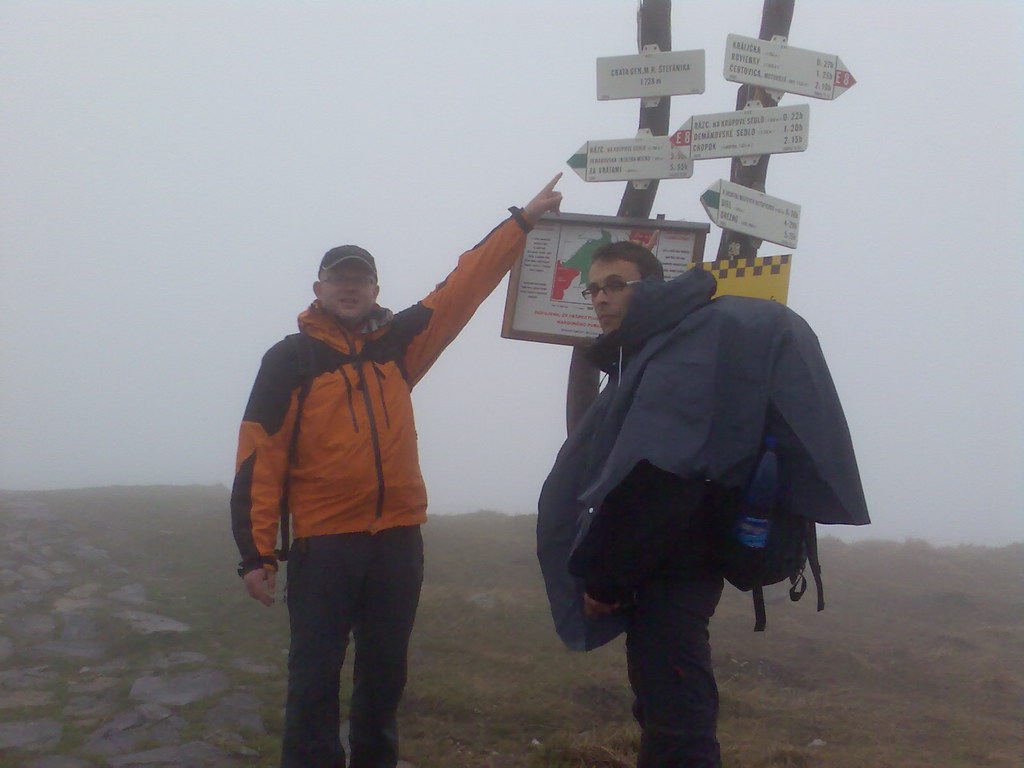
x: 252, y: 564
x: 521, y: 218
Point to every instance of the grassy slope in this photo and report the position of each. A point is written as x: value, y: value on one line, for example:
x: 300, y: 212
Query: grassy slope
x: 917, y: 661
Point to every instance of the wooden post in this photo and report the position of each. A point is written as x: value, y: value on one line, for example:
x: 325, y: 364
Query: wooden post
x: 776, y: 18
x: 654, y: 26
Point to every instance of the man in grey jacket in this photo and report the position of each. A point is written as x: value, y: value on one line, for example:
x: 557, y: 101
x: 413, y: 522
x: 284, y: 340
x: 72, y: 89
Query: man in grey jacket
x: 630, y: 514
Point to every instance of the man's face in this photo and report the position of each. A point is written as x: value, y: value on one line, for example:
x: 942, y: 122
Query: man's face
x: 348, y: 292
x: 610, y: 305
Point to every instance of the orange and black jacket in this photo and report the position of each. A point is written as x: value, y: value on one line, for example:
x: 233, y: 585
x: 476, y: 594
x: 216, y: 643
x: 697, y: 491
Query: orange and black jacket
x: 355, y: 465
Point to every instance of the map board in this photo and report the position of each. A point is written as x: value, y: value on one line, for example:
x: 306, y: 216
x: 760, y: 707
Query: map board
x: 545, y: 300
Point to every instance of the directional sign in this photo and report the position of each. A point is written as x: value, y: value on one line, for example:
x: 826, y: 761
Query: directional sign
x: 742, y: 209
x: 748, y: 132
x: 780, y: 67
x: 641, y: 159
x: 650, y: 75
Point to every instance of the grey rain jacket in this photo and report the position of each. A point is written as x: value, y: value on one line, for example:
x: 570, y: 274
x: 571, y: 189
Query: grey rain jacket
x: 693, y: 386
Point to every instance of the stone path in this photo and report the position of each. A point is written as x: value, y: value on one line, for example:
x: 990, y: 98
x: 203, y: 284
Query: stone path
x: 67, y: 700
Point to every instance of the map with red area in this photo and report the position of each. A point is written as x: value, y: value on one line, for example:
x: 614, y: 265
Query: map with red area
x: 576, y: 266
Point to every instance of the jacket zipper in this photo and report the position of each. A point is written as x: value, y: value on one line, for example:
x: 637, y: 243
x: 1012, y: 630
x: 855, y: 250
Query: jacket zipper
x: 374, y: 437
x: 380, y: 388
x: 351, y: 409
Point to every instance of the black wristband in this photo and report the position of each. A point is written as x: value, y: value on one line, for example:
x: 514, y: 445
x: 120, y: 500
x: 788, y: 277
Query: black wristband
x: 517, y: 214
x: 246, y: 566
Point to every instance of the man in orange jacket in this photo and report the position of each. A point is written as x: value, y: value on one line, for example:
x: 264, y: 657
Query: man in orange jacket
x: 328, y: 440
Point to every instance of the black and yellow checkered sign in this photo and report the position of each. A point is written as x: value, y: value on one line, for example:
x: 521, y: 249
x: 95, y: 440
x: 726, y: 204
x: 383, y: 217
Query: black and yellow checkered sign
x: 759, y: 277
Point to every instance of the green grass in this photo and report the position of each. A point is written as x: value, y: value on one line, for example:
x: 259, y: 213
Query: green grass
x: 917, y: 661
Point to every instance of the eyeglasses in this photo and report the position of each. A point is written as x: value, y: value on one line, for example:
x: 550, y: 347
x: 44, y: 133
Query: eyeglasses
x: 348, y: 280
x: 592, y: 291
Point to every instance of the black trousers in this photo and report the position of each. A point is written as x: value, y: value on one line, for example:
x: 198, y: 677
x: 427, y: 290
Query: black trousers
x: 668, y: 653
x: 368, y: 585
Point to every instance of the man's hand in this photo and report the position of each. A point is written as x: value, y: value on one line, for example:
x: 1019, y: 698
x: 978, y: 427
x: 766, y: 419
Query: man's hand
x: 259, y: 583
x: 593, y: 609
x: 546, y: 200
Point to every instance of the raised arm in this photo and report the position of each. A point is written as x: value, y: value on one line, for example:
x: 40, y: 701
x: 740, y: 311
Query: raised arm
x: 452, y: 303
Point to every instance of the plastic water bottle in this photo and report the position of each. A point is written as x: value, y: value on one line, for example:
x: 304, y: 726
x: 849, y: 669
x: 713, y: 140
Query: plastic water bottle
x: 754, y: 519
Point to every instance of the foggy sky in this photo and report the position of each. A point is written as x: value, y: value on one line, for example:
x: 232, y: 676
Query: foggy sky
x: 171, y: 173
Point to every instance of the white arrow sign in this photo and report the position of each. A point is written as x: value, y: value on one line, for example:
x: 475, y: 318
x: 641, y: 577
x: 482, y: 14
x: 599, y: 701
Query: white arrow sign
x: 740, y: 134
x: 650, y: 75
x: 742, y: 209
x: 640, y: 159
x: 778, y: 66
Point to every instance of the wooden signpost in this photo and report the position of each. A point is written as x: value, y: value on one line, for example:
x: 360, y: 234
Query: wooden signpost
x: 742, y: 209
x: 641, y: 159
x: 773, y: 65
x: 545, y: 302
x: 750, y: 132
x: 651, y: 74
x: 776, y: 19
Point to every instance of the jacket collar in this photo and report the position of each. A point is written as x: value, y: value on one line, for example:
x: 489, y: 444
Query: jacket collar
x: 317, y: 323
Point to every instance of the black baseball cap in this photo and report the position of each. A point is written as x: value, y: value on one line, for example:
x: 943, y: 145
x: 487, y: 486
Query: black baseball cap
x: 344, y: 253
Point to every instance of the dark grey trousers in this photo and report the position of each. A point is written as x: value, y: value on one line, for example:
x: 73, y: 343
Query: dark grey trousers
x: 668, y: 653
x: 369, y: 586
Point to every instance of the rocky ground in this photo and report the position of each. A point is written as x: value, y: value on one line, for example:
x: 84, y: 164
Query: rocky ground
x: 80, y: 681
x: 62, y: 628
x: 126, y: 640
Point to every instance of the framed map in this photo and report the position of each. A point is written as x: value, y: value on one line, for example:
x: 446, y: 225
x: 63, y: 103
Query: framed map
x: 545, y: 291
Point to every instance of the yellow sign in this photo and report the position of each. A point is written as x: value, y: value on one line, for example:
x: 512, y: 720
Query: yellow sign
x: 759, y: 277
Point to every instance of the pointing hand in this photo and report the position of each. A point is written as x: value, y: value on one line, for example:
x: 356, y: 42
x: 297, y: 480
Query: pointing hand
x: 546, y: 200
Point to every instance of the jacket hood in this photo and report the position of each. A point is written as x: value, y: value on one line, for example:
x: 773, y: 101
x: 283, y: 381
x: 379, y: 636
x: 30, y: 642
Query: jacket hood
x: 656, y: 306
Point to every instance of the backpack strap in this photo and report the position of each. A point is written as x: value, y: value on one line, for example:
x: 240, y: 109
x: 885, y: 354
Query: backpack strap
x: 304, y: 357
x: 812, y: 558
x: 760, y: 618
